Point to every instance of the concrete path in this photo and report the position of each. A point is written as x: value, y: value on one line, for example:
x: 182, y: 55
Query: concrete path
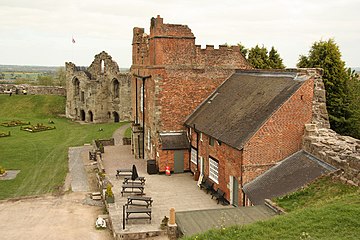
x: 79, y: 182
x: 49, y: 217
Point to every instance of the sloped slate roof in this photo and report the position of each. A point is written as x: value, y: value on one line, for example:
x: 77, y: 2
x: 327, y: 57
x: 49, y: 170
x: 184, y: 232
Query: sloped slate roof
x: 174, y: 141
x: 289, y: 175
x: 241, y: 105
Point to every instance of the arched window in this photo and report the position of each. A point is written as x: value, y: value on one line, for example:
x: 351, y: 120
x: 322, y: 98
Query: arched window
x: 115, y: 88
x: 76, y: 87
x: 102, y: 65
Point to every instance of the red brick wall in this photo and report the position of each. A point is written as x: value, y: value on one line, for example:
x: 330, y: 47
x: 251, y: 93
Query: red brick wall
x: 166, y: 158
x: 281, y: 135
x: 182, y: 76
x: 229, y: 160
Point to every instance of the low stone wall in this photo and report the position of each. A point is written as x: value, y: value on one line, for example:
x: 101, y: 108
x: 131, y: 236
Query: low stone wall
x: 47, y: 90
x: 33, y: 90
x: 343, y: 152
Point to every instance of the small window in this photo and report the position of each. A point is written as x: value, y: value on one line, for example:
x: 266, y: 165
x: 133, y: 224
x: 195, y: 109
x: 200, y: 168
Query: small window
x: 193, y: 156
x: 115, y: 88
x: 214, y: 170
x: 82, y: 97
x: 211, y: 141
x: 141, y: 99
x: 201, y: 139
x: 102, y: 66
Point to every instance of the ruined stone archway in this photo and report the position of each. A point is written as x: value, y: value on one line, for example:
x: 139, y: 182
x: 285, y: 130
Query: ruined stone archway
x: 91, y: 116
x: 76, y: 83
x: 115, y: 88
x: 116, y: 117
x: 82, y: 115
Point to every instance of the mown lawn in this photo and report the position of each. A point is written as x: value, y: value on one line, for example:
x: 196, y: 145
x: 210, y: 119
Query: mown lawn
x: 42, y: 156
x: 327, y: 209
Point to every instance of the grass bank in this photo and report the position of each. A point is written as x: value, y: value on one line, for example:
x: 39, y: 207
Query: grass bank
x: 41, y: 157
x: 327, y: 209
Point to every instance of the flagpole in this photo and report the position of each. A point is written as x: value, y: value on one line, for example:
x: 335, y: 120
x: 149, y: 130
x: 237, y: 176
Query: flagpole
x: 73, y: 48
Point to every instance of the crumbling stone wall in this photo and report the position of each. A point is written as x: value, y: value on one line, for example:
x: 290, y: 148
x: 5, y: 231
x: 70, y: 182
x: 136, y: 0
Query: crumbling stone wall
x: 343, y: 152
x: 34, y: 90
x: 99, y: 93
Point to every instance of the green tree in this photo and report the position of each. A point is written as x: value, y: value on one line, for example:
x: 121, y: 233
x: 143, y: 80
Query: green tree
x: 60, y: 77
x: 354, y: 105
x: 339, y: 85
x: 258, y: 57
x: 275, y: 61
x: 45, y: 80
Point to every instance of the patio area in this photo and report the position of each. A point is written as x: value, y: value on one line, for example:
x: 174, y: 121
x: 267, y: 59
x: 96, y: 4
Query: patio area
x: 177, y: 191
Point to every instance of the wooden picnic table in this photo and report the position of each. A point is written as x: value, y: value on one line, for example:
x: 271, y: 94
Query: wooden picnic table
x: 132, y: 187
x: 123, y: 173
x: 147, y: 201
x: 145, y: 213
x: 140, y: 180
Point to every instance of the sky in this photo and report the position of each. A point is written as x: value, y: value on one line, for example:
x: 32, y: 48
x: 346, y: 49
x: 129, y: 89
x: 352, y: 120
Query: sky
x: 40, y: 32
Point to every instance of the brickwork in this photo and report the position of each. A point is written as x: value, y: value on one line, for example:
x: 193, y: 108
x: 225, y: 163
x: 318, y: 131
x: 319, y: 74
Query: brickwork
x: 229, y: 162
x: 182, y: 76
x: 281, y: 135
x: 99, y: 93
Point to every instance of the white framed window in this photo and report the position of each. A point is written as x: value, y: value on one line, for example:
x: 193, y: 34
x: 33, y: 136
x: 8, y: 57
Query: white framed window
x: 141, y: 99
x: 214, y: 170
x: 193, y: 155
x: 148, y: 139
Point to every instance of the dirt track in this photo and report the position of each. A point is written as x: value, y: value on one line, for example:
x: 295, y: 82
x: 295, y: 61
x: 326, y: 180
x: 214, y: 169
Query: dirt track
x: 48, y: 217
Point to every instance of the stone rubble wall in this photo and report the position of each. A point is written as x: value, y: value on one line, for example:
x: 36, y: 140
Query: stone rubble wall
x: 34, y: 90
x: 343, y: 152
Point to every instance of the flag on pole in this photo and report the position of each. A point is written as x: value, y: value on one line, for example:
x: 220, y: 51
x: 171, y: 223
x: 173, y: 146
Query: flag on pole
x: 73, y: 40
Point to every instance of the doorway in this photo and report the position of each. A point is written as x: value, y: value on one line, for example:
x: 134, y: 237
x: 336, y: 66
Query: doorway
x: 116, y: 117
x: 235, y: 191
x: 82, y: 115
x: 178, y: 161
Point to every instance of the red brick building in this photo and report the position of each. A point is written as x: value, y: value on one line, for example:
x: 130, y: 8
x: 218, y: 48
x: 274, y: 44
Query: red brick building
x: 247, y: 125
x: 171, y: 76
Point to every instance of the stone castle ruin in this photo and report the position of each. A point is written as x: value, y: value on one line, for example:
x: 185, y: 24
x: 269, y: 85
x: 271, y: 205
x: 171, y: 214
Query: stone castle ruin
x: 99, y: 93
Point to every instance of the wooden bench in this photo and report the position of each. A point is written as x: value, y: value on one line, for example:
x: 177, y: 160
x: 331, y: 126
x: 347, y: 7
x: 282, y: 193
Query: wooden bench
x: 207, y: 185
x: 145, y: 213
x: 144, y: 201
x: 132, y: 187
x: 219, y: 195
x: 123, y: 173
x: 139, y: 180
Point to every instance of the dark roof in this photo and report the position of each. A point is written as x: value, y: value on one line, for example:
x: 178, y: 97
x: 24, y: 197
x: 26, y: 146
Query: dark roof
x: 241, y: 105
x: 174, y: 141
x: 289, y: 175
